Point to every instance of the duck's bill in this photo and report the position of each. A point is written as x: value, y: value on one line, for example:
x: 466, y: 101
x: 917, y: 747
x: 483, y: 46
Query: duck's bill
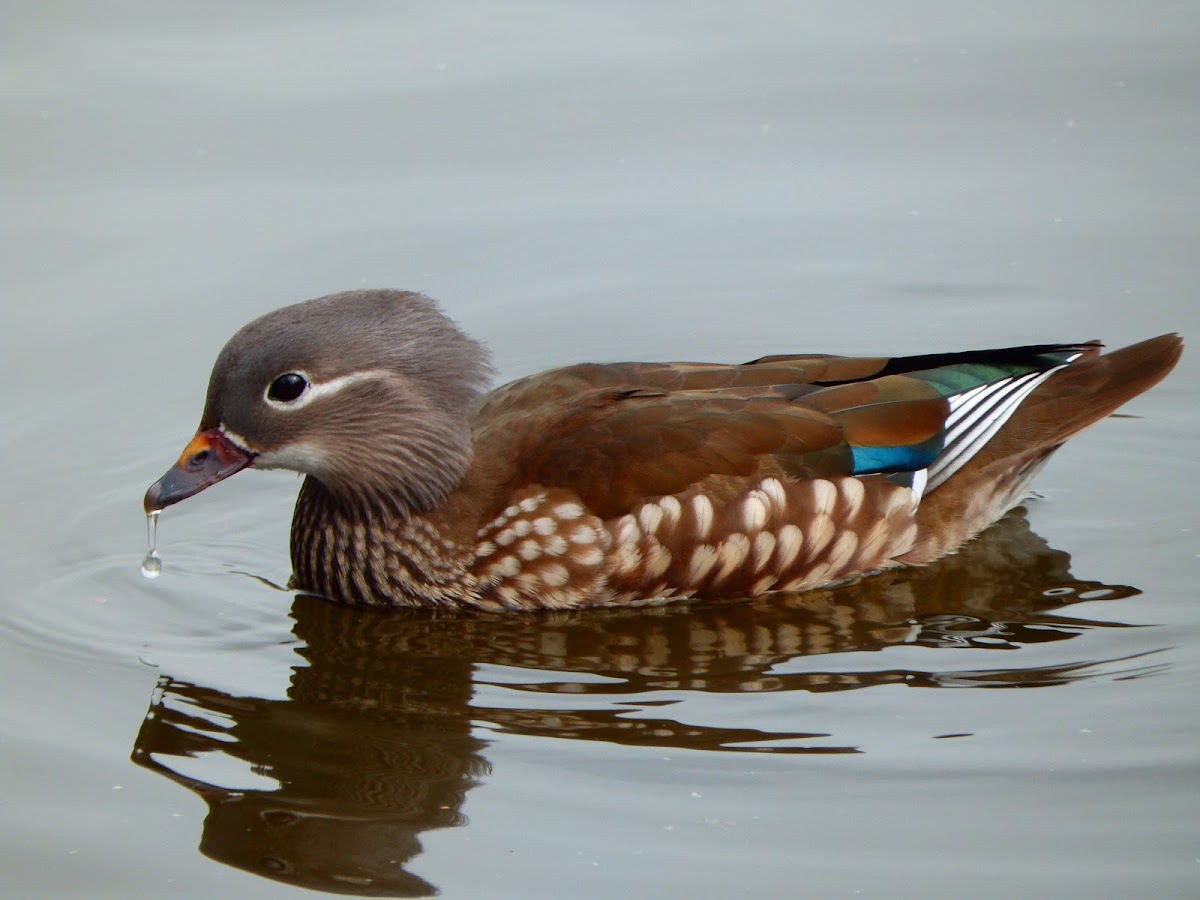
x: 209, y: 458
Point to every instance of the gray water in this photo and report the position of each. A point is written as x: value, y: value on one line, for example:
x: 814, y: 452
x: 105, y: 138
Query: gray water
x: 594, y: 181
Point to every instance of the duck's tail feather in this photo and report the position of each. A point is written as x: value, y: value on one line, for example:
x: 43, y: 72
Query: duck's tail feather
x: 1088, y: 390
x: 997, y: 477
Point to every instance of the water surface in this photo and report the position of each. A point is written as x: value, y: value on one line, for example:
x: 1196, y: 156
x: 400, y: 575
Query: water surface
x: 579, y: 181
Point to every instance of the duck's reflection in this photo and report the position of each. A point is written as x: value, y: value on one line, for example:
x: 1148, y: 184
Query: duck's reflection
x: 378, y: 740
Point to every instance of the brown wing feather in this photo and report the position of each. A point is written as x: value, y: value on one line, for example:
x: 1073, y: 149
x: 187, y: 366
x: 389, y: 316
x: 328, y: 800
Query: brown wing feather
x: 894, y: 424
x: 620, y: 433
x: 777, y: 372
x: 614, y: 449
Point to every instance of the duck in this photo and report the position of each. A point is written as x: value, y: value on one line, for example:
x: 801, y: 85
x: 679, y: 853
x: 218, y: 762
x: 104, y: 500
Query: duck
x: 621, y: 484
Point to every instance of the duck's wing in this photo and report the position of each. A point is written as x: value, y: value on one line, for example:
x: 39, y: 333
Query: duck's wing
x: 619, y: 434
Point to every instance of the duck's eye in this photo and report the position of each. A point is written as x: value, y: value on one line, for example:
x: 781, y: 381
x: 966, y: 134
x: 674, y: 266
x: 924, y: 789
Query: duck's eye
x: 287, y: 387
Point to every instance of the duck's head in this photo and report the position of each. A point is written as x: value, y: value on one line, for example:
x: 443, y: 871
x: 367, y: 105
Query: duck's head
x: 366, y: 391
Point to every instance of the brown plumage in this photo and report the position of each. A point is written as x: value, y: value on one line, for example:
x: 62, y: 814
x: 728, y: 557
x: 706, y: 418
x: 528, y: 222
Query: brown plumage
x: 632, y: 482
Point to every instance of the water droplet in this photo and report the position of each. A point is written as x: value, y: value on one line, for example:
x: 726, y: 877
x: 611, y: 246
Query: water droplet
x: 151, y: 563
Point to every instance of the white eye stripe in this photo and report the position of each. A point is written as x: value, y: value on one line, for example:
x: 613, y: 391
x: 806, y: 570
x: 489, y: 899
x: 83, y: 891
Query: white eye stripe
x: 316, y: 389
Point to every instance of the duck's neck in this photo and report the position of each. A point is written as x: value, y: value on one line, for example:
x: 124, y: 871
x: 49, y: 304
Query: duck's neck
x: 359, y: 555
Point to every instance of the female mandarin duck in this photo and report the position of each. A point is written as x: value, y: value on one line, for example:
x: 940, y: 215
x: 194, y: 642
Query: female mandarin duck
x: 625, y: 483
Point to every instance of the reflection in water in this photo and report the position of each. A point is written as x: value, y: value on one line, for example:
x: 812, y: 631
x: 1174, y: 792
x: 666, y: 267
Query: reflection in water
x: 375, y: 743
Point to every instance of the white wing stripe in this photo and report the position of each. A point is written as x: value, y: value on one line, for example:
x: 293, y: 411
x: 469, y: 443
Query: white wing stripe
x: 963, y: 401
x: 961, y: 444
x: 977, y: 403
x: 972, y: 435
x: 983, y: 405
x: 970, y: 443
x: 980, y: 421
